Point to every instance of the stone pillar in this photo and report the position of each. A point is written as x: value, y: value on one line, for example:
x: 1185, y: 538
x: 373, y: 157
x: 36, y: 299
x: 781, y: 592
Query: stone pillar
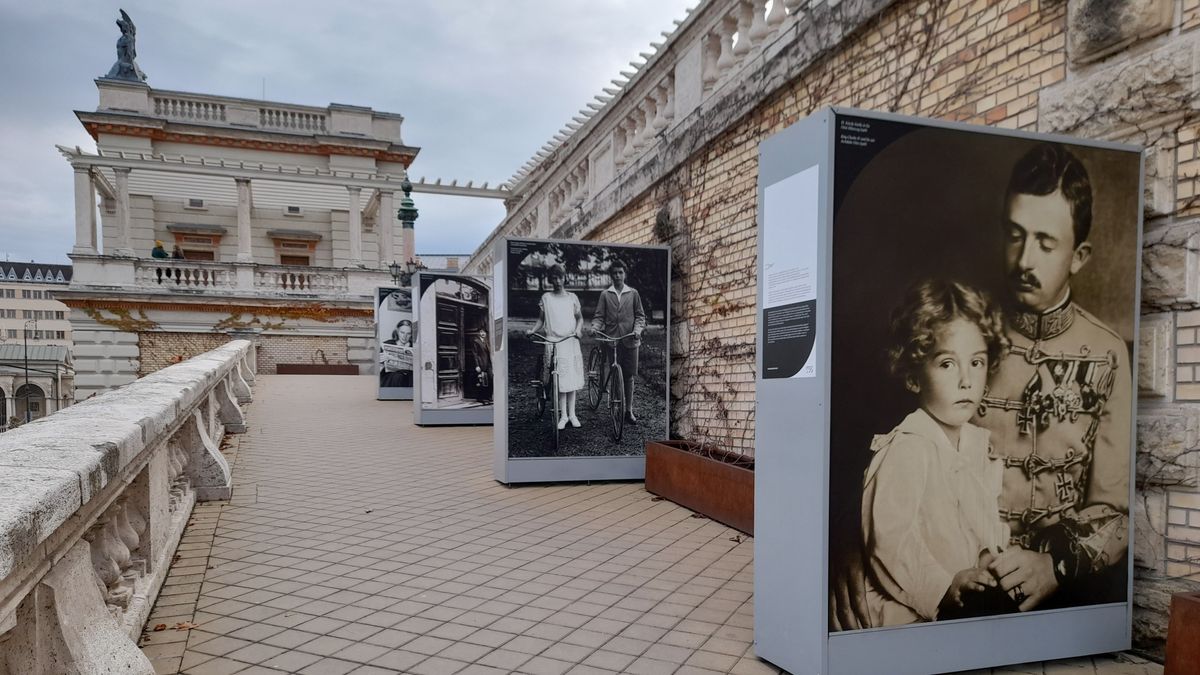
x: 245, y: 251
x: 124, y: 221
x: 387, y: 220
x: 355, y: 224
x: 85, y: 212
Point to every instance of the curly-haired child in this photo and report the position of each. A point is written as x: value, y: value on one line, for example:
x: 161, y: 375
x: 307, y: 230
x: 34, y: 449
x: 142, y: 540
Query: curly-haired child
x: 930, y: 517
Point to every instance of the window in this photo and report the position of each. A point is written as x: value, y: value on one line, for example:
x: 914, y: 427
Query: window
x: 293, y: 211
x: 26, y: 314
x: 12, y: 333
x: 60, y: 315
x: 60, y: 334
x: 10, y: 293
x: 38, y: 295
x: 195, y: 203
x: 293, y: 259
x: 26, y: 293
x: 11, y: 313
x: 189, y: 254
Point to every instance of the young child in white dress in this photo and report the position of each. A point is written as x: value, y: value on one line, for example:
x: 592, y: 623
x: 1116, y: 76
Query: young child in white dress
x: 931, y: 520
x: 560, y: 317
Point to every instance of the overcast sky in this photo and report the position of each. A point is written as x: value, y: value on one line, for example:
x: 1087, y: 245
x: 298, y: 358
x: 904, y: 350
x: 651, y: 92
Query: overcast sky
x: 482, y: 84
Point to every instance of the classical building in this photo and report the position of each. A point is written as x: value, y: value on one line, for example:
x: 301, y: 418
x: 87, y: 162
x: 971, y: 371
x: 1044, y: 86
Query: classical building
x: 284, y: 219
x: 27, y: 300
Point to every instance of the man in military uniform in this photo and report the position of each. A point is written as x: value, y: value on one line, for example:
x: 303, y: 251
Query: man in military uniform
x: 1058, y: 405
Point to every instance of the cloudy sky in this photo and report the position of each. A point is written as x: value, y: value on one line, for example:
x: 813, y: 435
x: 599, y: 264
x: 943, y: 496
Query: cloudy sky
x: 482, y: 84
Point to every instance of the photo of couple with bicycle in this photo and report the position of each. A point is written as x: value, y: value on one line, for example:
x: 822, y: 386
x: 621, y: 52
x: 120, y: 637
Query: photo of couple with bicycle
x: 588, y: 364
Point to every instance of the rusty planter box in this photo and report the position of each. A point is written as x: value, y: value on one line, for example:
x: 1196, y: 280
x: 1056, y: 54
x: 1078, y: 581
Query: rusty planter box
x: 1183, y: 634
x: 316, y: 369
x: 705, y: 479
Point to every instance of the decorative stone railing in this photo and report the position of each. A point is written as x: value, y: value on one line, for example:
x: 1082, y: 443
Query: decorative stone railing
x: 291, y: 120
x: 244, y: 113
x: 721, y: 60
x: 94, y: 502
x: 299, y: 280
x: 188, y: 109
x: 184, y: 275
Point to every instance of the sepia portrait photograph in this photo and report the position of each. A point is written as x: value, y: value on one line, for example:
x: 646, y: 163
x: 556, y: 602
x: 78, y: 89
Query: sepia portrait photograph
x: 982, y: 386
x: 586, y: 348
x: 452, y: 345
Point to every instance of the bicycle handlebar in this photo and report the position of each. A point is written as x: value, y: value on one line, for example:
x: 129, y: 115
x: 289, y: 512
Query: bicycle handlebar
x: 605, y: 338
x: 547, y: 341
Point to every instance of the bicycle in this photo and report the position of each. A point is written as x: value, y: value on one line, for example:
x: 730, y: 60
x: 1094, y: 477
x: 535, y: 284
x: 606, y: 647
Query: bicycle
x: 547, y: 389
x: 611, y: 379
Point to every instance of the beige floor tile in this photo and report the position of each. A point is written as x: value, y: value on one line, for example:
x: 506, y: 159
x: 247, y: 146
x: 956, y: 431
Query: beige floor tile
x: 406, y: 556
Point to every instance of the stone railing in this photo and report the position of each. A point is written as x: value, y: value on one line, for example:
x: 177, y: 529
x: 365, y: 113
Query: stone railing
x: 184, y: 275
x: 243, y: 113
x: 95, y: 499
x: 719, y: 62
x: 300, y: 280
x: 289, y: 119
x: 188, y: 109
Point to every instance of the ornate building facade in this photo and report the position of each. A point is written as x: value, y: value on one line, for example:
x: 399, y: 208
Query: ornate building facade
x: 219, y: 217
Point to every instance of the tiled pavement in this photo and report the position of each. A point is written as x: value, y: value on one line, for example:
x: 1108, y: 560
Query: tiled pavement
x: 357, y: 542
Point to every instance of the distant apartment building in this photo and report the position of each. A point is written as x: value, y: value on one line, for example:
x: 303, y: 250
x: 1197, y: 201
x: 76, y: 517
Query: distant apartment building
x: 27, y: 299
x: 31, y: 316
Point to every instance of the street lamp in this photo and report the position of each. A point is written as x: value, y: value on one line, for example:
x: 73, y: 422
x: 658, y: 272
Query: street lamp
x: 402, y: 274
x: 34, y: 322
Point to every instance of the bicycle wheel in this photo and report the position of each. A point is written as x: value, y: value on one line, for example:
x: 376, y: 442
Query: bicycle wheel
x: 554, y: 398
x: 616, y: 401
x: 595, y: 377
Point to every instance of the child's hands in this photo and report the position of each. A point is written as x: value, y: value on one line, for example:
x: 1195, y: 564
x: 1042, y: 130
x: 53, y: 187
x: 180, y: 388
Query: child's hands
x: 970, y: 579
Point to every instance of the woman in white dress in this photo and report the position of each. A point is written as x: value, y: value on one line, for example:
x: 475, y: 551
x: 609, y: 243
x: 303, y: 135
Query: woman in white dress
x: 561, y: 317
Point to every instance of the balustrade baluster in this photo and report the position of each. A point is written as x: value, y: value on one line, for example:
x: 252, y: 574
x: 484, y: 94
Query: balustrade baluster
x: 725, y: 61
x: 758, y: 22
x: 744, y: 19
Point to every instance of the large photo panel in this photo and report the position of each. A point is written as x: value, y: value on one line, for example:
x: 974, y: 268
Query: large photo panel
x: 453, y: 380
x: 984, y: 311
x: 586, y: 355
x: 394, y: 333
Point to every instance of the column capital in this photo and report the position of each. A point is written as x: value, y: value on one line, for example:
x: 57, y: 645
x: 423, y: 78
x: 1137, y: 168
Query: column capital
x: 242, y: 181
x: 123, y: 170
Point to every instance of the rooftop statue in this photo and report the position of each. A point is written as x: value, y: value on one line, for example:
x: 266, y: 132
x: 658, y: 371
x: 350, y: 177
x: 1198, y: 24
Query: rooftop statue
x: 126, y: 67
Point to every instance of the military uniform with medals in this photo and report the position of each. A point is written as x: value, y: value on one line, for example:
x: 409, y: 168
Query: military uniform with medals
x: 1058, y: 409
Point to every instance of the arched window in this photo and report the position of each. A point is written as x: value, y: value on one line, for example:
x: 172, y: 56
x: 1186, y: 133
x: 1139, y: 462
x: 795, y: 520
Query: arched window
x: 30, y: 402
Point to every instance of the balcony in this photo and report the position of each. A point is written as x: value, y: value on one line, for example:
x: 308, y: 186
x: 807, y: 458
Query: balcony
x: 336, y: 537
x: 119, y: 274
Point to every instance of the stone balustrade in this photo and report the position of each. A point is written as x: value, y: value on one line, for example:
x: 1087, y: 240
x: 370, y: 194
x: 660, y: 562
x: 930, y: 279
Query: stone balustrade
x: 672, y: 99
x: 95, y: 501
x: 241, y: 113
x: 138, y: 275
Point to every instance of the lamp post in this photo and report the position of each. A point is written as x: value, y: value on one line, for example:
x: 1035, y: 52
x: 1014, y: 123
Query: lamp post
x: 26, y: 336
x: 402, y: 274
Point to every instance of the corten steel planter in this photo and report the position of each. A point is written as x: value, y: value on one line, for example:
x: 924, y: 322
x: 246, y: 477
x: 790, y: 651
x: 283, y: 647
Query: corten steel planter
x: 316, y: 369
x: 1183, y: 635
x: 706, y: 479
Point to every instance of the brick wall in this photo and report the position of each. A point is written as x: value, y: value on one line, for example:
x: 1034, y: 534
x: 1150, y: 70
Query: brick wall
x: 276, y: 349
x: 1063, y: 67
x: 159, y: 350
x: 981, y: 62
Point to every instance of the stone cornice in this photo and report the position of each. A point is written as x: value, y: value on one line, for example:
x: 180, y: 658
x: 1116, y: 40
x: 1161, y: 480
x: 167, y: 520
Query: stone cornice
x: 84, y: 300
x: 158, y: 129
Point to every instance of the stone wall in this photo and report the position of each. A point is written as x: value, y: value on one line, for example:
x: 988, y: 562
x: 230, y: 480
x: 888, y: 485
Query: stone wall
x: 1123, y: 71
x: 161, y: 349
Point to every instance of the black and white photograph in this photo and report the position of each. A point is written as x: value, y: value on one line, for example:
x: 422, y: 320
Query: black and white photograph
x: 981, y: 402
x: 586, y: 348
x: 453, y: 347
x: 395, y: 333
